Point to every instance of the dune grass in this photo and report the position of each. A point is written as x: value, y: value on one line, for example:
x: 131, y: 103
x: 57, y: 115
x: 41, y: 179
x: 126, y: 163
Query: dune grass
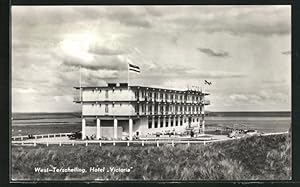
x: 263, y: 158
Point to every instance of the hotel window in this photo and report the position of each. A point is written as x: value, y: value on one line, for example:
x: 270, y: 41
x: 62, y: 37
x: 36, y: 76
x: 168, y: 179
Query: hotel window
x: 149, y: 124
x: 167, y: 122
x: 172, y: 123
x: 181, y: 121
x: 155, y: 124
x: 161, y: 96
x: 176, y: 123
x: 161, y: 123
x: 106, y: 108
x: 143, y: 94
x: 143, y: 109
x: 149, y: 108
x: 106, y: 93
x: 184, y: 120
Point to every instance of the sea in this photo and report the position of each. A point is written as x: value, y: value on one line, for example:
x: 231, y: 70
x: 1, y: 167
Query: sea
x: 47, y: 123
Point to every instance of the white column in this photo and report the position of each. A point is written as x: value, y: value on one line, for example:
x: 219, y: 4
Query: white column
x: 169, y: 121
x: 140, y: 109
x: 153, y: 106
x: 147, y: 108
x: 164, y: 122
x: 174, y: 122
x: 98, y: 135
x: 199, y: 121
x: 178, y: 120
x: 203, y: 121
x: 130, y: 128
x: 153, y: 122
x: 83, y: 128
x: 158, y: 122
x: 115, y: 128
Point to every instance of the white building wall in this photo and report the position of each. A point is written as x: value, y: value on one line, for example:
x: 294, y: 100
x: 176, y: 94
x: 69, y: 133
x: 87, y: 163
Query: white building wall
x: 118, y: 94
x: 99, y: 109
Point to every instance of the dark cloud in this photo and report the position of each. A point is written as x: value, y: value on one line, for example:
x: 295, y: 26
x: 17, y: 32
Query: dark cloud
x: 241, y: 21
x: 99, y: 63
x: 136, y: 22
x: 131, y: 16
x: 212, y: 53
x: 154, y: 11
x: 286, y: 52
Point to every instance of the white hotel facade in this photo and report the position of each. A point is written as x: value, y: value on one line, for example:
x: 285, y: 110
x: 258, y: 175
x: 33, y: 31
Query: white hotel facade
x: 119, y: 110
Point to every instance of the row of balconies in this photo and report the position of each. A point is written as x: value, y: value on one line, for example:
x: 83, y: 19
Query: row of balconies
x: 206, y: 102
x: 178, y: 100
x: 168, y: 113
x: 147, y: 99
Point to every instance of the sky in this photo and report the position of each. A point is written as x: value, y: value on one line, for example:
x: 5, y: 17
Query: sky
x: 245, y: 51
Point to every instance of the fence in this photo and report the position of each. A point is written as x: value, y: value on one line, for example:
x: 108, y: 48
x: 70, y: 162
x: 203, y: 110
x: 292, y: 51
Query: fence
x: 115, y: 142
x: 40, y: 136
x: 143, y: 142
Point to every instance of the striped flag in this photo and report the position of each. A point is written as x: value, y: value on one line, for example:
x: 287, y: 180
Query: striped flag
x: 134, y: 68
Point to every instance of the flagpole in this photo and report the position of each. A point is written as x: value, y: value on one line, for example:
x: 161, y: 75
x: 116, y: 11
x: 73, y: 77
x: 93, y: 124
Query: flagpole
x: 80, y: 83
x: 203, y: 111
x: 128, y: 75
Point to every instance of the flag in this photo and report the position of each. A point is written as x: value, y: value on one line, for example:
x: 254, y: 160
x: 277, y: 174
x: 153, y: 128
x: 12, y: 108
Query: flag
x: 134, y: 68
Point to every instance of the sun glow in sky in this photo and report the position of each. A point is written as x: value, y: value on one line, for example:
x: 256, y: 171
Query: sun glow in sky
x: 245, y: 51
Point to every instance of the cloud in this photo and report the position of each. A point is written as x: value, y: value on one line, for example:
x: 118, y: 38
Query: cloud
x: 244, y: 20
x: 239, y: 97
x: 100, y: 50
x: 286, y: 52
x: 136, y: 22
x: 262, y: 96
x: 212, y: 53
x: 130, y: 16
x: 97, y: 63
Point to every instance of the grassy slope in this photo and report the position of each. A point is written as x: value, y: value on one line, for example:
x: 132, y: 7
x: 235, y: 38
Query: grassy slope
x: 250, y: 158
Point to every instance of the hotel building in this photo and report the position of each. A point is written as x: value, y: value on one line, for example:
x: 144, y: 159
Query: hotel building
x: 119, y: 110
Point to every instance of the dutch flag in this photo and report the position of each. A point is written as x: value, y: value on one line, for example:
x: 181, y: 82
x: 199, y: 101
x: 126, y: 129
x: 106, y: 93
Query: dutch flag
x: 134, y: 68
